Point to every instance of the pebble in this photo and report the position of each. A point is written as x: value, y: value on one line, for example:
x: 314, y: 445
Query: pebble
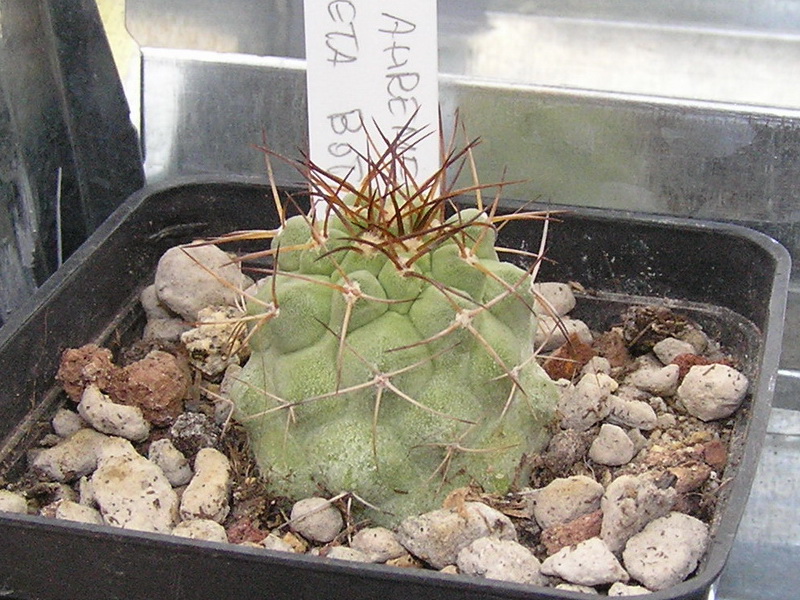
x: 65, y: 423
x: 621, y: 589
x: 438, y: 536
x: 612, y: 446
x: 73, y: 511
x: 133, y: 493
x: 666, y: 551
x: 378, y: 543
x: 552, y: 333
x: 216, y: 340
x: 114, y: 419
x: 553, y: 298
x: 660, y: 381
x: 505, y: 560
x: 712, y: 392
x: 345, y: 553
x: 201, y: 529
x: 631, y: 413
x: 595, y: 365
x: 273, y: 542
x: 582, y: 589
x: 667, y: 349
x: 583, y: 405
x: 565, y: 499
x: 316, y: 519
x: 171, y: 460
x: 12, y: 502
x: 71, y: 459
x: 153, y: 308
x: 629, y: 503
x: 191, y: 278
x: 587, y: 563
x: 165, y: 330
x: 206, y: 496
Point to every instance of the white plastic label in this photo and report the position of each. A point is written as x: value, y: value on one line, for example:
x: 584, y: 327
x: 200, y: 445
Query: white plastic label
x: 371, y: 62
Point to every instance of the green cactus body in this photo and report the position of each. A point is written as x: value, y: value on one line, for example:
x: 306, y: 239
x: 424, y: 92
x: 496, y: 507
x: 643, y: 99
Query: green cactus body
x: 394, y: 360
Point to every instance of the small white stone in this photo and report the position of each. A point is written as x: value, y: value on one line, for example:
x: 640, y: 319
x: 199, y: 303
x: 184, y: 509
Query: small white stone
x: 206, y: 496
x: 71, y: 459
x: 65, y: 422
x: 552, y: 333
x: 171, y: 460
x: 573, y: 587
x: 629, y: 503
x: 273, y: 542
x: 621, y: 589
x: 438, y: 536
x: 114, y: 419
x: 661, y: 381
x: 553, y: 298
x: 611, y: 447
x: 133, y: 493
x: 583, y: 405
x: 595, y: 365
x: 12, y: 502
x: 505, y: 560
x: 667, y: 349
x: 666, y: 551
x: 316, y: 519
x: 214, y: 343
x: 378, y: 543
x: 153, y: 308
x: 712, y: 391
x: 345, y: 553
x: 588, y: 563
x: 201, y: 529
x: 631, y: 413
x: 167, y: 330
x: 72, y: 511
x: 565, y: 499
x: 189, y: 278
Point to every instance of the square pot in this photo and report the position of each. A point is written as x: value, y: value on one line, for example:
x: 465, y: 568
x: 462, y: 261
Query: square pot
x: 731, y: 280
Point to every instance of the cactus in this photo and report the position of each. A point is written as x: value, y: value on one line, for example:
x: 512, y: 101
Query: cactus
x: 392, y: 352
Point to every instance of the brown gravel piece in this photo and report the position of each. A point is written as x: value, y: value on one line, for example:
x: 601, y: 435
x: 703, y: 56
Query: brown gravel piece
x: 584, y: 527
x: 80, y: 367
x: 611, y: 345
x: 568, y: 360
x: 157, y: 384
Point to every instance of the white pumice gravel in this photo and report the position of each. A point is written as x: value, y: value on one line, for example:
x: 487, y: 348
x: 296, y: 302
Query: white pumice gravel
x: 201, y: 529
x: 171, y: 460
x: 588, y: 563
x: 186, y: 287
x: 345, y: 553
x: 378, y: 543
x: 106, y: 416
x: 631, y: 413
x: 669, y: 348
x: 552, y: 333
x: 65, y: 422
x: 622, y: 589
x: 583, y: 405
x: 273, y: 542
x: 574, y: 587
x: 316, y: 519
x: 438, y: 536
x: 213, y: 344
x: 712, y: 392
x: 207, y: 495
x: 73, y: 458
x: 629, y: 503
x: 565, y: 499
x: 553, y: 297
x: 612, y: 446
x: 12, y: 502
x: 73, y: 511
x: 660, y: 381
x: 133, y: 493
x: 505, y: 560
x: 666, y: 550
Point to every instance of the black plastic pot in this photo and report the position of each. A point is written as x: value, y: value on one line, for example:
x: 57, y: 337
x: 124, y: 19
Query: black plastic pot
x: 732, y: 280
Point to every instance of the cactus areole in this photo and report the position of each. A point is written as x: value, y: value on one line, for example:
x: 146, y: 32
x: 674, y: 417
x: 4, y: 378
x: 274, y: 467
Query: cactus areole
x: 392, y: 349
